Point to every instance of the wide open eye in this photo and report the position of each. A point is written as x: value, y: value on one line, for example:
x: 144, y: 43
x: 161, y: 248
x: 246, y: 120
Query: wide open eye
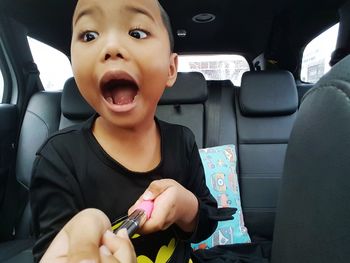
x: 89, y: 36
x: 138, y: 33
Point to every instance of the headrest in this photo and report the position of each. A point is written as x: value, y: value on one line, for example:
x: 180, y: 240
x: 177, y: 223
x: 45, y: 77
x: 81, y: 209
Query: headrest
x: 73, y: 105
x: 268, y: 93
x: 189, y: 88
x: 338, y: 55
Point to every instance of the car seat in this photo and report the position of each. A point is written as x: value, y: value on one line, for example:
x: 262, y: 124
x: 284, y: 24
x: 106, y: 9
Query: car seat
x: 313, y: 217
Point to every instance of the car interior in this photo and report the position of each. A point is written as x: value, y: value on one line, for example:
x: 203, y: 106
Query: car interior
x: 284, y: 149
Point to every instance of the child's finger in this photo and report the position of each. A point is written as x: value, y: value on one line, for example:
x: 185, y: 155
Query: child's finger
x: 155, y: 224
x: 162, y: 215
x: 156, y: 188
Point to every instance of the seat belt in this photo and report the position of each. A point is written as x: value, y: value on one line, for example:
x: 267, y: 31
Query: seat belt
x: 30, y: 70
x: 214, y: 116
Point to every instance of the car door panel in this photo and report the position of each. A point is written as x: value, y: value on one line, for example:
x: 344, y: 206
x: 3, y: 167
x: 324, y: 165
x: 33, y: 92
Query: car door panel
x: 8, y: 134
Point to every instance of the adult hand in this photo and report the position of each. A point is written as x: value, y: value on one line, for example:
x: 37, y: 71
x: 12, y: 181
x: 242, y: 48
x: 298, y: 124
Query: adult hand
x: 87, y: 238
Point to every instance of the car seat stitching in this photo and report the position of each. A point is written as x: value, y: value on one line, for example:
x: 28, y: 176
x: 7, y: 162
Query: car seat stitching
x: 47, y: 127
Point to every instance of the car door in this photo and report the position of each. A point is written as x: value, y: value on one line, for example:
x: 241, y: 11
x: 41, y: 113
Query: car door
x: 8, y: 134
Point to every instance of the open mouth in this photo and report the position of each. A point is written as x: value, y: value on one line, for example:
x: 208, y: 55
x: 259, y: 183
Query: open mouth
x: 119, y: 91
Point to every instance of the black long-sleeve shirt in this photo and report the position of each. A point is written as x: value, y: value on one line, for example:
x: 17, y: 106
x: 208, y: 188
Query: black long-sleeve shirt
x: 73, y: 172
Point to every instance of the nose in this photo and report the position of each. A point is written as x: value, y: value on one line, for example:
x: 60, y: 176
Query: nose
x: 110, y: 56
x: 114, y: 49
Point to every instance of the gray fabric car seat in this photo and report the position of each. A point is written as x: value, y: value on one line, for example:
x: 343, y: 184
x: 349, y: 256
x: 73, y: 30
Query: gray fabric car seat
x: 313, y: 217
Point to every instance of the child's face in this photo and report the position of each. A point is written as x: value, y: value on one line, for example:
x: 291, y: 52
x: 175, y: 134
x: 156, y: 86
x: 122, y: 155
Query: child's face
x: 121, y: 58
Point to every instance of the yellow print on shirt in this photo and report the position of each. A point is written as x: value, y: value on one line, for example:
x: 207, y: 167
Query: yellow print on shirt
x: 163, y: 256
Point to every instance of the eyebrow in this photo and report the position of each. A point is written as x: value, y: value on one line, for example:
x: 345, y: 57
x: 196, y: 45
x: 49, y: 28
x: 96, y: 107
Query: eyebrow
x: 132, y: 9
x: 86, y: 12
x: 139, y: 10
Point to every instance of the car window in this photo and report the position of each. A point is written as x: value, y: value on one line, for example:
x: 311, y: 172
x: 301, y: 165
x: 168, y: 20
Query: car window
x: 215, y: 67
x: 317, y: 55
x: 53, y: 65
x: 1, y: 86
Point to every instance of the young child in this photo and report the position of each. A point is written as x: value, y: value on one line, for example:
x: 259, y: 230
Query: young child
x: 122, y: 59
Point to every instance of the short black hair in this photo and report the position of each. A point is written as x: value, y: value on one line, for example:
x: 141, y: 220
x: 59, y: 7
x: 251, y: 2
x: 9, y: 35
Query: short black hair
x: 167, y: 24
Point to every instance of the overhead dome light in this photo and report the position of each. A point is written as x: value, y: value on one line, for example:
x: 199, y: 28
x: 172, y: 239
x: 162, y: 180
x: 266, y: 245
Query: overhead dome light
x: 203, y: 18
x: 181, y: 33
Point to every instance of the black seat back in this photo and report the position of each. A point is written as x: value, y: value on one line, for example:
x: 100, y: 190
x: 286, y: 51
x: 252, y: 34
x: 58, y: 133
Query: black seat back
x: 40, y: 120
x: 313, y: 216
x: 184, y: 103
x: 220, y: 123
x: 266, y: 108
x: 74, y: 107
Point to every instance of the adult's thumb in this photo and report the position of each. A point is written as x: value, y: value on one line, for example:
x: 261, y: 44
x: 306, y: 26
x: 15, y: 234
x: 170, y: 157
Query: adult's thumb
x: 84, y: 234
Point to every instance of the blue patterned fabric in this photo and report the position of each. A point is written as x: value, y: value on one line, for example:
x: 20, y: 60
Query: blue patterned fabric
x: 221, y: 178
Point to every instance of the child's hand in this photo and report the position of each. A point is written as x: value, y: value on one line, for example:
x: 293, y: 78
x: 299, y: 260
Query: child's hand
x: 172, y: 204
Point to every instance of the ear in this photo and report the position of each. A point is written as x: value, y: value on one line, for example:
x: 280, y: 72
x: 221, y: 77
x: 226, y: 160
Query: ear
x: 172, y: 74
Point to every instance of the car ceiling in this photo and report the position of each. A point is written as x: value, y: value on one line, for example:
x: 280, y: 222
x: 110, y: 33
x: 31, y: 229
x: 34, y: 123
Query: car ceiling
x: 244, y: 27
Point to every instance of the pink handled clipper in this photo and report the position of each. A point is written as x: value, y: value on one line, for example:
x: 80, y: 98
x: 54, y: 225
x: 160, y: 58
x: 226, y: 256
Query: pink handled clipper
x: 142, y: 213
x: 147, y: 207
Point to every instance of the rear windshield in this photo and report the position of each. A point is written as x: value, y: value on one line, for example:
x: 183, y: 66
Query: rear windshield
x: 215, y: 67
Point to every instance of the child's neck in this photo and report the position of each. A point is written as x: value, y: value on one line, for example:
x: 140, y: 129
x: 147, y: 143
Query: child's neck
x: 123, y: 134
x: 137, y: 149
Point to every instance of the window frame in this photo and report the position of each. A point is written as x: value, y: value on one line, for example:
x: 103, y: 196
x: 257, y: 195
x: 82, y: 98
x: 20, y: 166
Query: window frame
x: 6, y: 74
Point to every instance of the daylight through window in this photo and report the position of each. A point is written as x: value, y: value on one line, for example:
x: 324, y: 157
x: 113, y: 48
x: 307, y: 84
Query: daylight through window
x: 216, y: 67
x: 317, y: 55
x: 53, y: 65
